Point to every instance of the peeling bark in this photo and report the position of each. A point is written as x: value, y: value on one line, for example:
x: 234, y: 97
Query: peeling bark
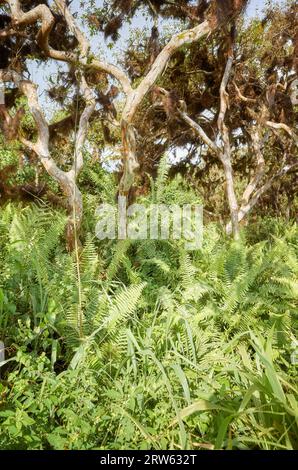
x: 42, y: 14
x: 134, y: 97
x: 260, y: 169
x: 225, y: 156
x: 246, y: 208
x: 178, y: 40
x: 129, y: 158
x: 223, y: 153
x: 66, y: 180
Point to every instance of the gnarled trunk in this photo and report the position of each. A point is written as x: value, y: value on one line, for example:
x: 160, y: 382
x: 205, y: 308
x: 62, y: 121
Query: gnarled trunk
x: 231, y: 195
x: 75, y: 211
x: 130, y: 163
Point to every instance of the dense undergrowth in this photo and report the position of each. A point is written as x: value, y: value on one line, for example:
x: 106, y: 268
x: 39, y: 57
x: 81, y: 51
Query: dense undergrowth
x: 147, y: 346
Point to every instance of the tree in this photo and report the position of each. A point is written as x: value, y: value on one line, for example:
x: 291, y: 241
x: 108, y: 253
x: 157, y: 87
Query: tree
x: 52, y: 33
x: 240, y: 130
x: 23, y: 16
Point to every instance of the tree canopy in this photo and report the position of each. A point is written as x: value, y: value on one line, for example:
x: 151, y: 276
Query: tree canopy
x: 200, y: 81
x: 126, y: 323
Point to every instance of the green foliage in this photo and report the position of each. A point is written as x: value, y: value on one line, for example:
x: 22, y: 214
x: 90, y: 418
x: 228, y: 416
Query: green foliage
x: 142, y: 344
x: 152, y: 346
x: 174, y: 191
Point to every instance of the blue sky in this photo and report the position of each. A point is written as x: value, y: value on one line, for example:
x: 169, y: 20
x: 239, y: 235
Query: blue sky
x: 254, y: 7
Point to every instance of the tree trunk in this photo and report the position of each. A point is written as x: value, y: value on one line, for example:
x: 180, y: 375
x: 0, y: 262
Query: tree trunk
x: 130, y: 163
x: 75, y: 211
x: 232, y: 199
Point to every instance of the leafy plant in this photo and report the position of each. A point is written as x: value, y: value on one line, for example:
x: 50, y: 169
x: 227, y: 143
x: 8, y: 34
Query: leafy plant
x: 160, y: 349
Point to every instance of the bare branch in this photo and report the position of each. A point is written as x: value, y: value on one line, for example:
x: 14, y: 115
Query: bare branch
x: 185, y: 37
x: 43, y: 14
x: 223, y: 154
x: 200, y: 132
x: 74, y: 29
x: 66, y: 180
x: 83, y: 126
x: 224, y: 95
x: 85, y: 48
x: 242, y: 97
x: 195, y: 126
x: 135, y: 98
x: 39, y: 13
x: 284, y: 127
